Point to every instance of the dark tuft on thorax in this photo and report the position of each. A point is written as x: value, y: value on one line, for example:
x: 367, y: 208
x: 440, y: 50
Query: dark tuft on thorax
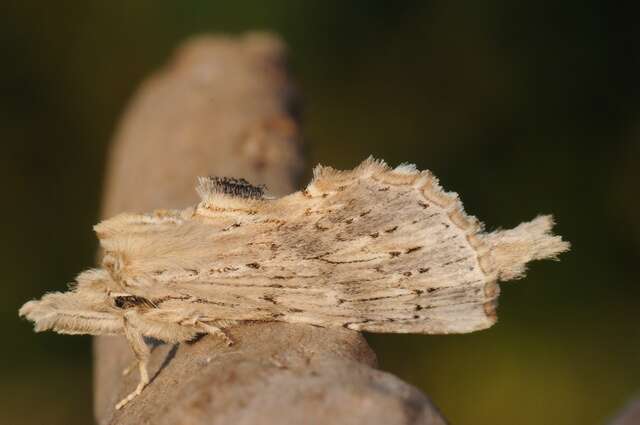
x: 234, y: 187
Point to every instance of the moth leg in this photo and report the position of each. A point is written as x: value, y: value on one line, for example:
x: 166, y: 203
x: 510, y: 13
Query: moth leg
x: 142, y: 353
x: 214, y: 330
x: 127, y: 370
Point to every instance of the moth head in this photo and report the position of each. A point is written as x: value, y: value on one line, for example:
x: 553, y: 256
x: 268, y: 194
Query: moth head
x: 113, y: 263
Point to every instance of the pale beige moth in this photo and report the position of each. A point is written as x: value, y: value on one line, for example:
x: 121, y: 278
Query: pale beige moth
x: 373, y: 249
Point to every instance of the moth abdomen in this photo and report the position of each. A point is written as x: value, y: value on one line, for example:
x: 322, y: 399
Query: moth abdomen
x: 230, y: 186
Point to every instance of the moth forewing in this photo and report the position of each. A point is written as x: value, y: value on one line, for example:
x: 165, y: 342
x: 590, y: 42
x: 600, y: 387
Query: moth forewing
x: 372, y: 249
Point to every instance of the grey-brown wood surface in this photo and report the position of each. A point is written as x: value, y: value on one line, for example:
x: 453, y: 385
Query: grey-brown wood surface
x: 226, y: 106
x: 629, y: 414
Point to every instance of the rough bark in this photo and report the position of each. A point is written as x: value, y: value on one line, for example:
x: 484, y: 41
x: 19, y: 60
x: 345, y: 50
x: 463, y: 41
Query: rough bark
x: 226, y: 107
x: 629, y: 414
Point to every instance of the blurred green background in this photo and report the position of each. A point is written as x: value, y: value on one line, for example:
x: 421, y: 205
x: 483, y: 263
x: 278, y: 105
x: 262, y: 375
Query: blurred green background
x: 522, y: 107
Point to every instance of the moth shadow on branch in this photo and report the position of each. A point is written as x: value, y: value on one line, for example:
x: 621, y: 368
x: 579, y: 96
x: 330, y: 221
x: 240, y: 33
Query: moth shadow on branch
x: 167, y: 359
x: 171, y: 354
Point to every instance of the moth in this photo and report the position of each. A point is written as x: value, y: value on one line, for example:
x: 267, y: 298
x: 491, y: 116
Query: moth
x: 373, y: 249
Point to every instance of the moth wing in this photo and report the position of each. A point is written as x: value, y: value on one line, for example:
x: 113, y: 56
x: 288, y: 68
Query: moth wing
x: 374, y: 248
